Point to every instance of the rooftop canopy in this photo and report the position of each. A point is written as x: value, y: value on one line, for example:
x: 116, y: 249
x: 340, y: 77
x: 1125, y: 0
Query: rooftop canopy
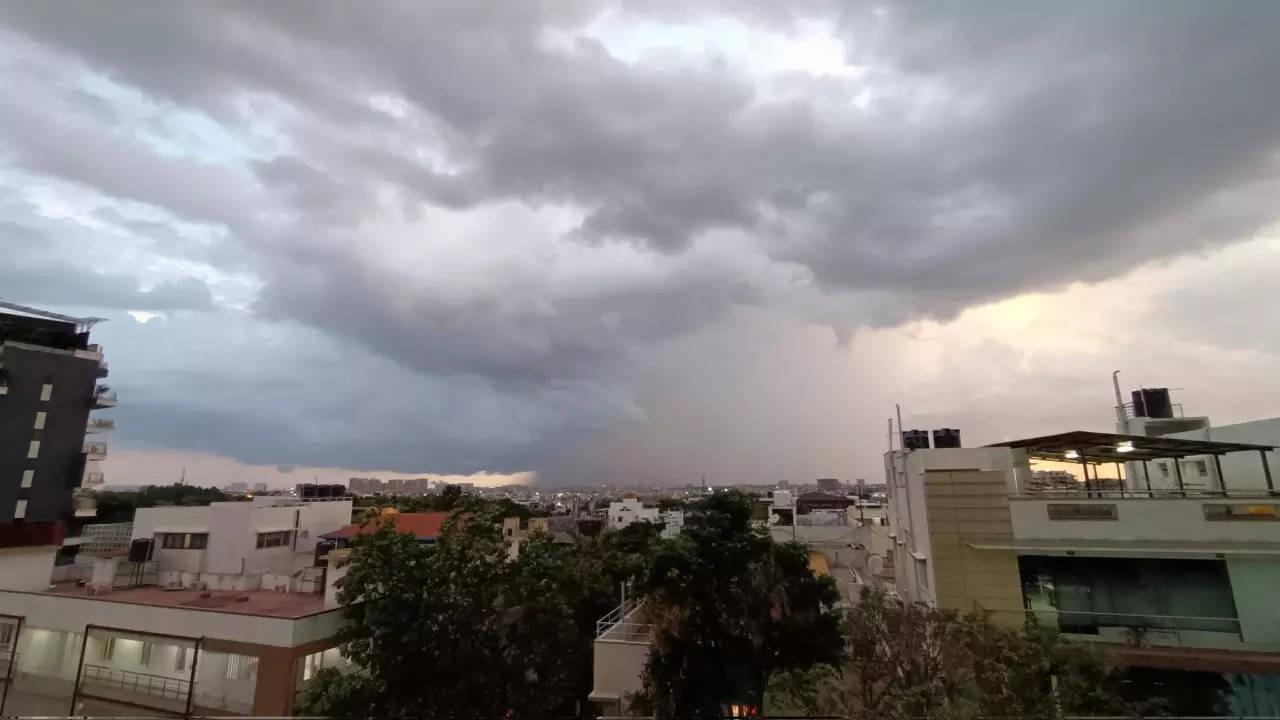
x: 1082, y: 445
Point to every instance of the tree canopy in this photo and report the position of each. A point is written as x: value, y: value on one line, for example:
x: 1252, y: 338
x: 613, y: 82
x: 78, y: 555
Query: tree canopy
x: 115, y: 506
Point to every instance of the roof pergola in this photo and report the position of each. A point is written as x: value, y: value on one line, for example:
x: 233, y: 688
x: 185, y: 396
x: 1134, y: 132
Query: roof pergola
x: 1106, y: 447
x: 1084, y: 447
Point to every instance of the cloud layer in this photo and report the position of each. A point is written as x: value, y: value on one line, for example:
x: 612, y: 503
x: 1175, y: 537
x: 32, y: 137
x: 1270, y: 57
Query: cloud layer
x: 483, y: 236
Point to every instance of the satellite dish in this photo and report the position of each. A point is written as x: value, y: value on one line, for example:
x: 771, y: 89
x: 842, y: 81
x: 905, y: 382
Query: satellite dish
x: 875, y: 564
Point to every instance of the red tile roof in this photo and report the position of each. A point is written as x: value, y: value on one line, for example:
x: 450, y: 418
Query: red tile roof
x: 423, y: 526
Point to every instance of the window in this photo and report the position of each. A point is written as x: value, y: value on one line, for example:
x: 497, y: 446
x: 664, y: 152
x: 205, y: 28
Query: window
x: 28, y: 477
x: 41, y: 416
x: 106, y: 648
x: 1202, y: 468
x: 46, y: 392
x: 6, y: 635
x: 1164, y: 469
x: 20, y: 510
x: 184, y: 541
x: 144, y: 655
x: 280, y: 538
x: 922, y: 574
x: 33, y: 450
x: 180, y: 659
x: 1082, y: 511
x: 1242, y: 511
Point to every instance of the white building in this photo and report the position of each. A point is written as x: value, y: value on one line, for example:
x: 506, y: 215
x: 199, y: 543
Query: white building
x: 630, y: 510
x: 1166, y: 577
x: 223, y: 612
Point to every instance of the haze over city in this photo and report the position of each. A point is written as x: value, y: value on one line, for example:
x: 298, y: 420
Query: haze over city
x: 638, y: 242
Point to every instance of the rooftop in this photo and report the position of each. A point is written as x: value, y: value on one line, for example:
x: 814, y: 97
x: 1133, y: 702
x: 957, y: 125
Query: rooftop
x: 263, y: 603
x: 1111, y: 447
x: 423, y: 526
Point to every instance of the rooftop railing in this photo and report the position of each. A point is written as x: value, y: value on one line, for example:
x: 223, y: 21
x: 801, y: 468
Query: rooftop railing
x: 136, y: 682
x: 1155, y: 494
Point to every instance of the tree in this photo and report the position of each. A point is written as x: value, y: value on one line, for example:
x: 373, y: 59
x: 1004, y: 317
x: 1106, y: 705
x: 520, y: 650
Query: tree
x: 732, y: 607
x: 913, y: 662
x: 457, y: 629
x: 114, y: 506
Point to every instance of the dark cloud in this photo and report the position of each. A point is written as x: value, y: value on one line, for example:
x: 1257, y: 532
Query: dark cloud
x: 486, y: 193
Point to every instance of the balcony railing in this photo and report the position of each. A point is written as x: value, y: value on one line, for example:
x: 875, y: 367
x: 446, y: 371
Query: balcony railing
x: 617, y: 625
x: 84, y: 505
x: 104, y: 397
x: 93, y: 478
x: 1143, y: 630
x: 95, y: 450
x: 1125, y: 411
x: 136, y: 682
x: 99, y: 425
x: 1156, y: 494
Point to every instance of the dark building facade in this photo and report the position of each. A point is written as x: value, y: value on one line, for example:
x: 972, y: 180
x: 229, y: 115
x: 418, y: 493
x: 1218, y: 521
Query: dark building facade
x: 48, y: 386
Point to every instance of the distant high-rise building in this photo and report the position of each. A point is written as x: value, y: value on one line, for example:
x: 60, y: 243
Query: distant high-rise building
x: 260, y: 487
x: 48, y: 386
x: 237, y: 487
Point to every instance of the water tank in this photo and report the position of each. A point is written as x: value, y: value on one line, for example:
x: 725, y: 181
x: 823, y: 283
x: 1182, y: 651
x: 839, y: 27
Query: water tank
x: 322, y: 548
x: 915, y: 440
x: 1152, y: 403
x: 140, y: 550
x: 306, y: 490
x: 946, y: 438
x: 337, y: 491
x: 323, y: 491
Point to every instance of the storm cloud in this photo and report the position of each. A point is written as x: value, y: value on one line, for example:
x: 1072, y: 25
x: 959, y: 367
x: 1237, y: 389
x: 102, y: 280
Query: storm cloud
x: 526, y: 207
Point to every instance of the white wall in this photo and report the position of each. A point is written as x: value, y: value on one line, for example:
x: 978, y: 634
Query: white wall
x: 146, y: 521
x: 1168, y: 520
x: 27, y: 568
x: 62, y: 612
x: 1243, y: 470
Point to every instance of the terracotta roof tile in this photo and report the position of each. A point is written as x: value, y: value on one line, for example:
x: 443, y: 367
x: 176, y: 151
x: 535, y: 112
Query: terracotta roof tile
x: 423, y: 526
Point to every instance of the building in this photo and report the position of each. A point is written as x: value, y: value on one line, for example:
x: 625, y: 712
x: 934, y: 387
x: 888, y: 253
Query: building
x: 49, y: 375
x: 1165, y: 576
x: 218, y: 610
x: 425, y: 527
x: 394, y: 486
x: 236, y: 487
x: 813, y: 501
x: 260, y: 487
x: 630, y: 509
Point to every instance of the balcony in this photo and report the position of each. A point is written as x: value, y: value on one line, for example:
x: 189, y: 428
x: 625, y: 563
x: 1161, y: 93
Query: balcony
x: 136, y: 688
x: 100, y: 425
x: 92, y: 479
x: 103, y: 397
x: 95, y: 451
x: 84, y: 505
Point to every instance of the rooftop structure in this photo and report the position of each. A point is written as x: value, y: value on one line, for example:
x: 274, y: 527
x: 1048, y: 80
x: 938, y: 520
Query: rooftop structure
x: 214, y: 609
x: 1165, y: 573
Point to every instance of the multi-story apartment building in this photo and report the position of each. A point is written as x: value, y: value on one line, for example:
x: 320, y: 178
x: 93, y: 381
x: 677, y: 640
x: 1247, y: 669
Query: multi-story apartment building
x: 1164, y: 575
x: 49, y: 376
x: 631, y: 509
x: 217, y: 610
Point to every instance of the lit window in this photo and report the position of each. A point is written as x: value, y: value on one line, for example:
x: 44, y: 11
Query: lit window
x: 33, y: 450
x: 28, y: 477
x: 20, y: 510
x: 180, y: 659
x: 46, y: 392
x: 40, y: 418
x: 107, y: 648
x: 6, y: 634
x: 144, y: 655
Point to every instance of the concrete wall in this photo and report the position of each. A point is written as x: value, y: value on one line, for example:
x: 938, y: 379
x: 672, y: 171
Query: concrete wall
x: 26, y: 568
x: 1141, y: 519
x: 962, y: 507
x: 1243, y: 471
x: 618, y: 668
x: 1255, y: 583
x: 71, y: 613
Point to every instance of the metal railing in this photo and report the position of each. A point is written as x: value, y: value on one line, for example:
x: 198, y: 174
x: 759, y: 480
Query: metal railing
x: 615, y: 626
x: 1139, y: 629
x: 1153, y: 494
x: 615, y: 616
x: 101, y: 425
x: 136, y: 682
x: 95, y: 448
x: 1125, y: 412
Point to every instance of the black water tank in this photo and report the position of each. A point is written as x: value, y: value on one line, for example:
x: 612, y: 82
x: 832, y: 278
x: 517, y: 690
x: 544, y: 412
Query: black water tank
x: 140, y: 550
x: 322, y: 548
x: 915, y: 440
x: 1152, y: 403
x: 338, y: 491
x: 306, y: 490
x: 946, y: 438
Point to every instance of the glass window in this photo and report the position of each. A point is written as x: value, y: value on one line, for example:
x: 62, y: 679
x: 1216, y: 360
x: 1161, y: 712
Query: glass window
x: 180, y: 659
x: 184, y: 541
x: 41, y: 416
x: 6, y: 634
x: 1202, y: 468
x: 106, y: 648
x: 1242, y: 511
x: 28, y: 477
x: 1164, y: 469
x: 46, y: 392
x: 280, y: 538
x: 33, y: 450
x: 144, y: 656
x: 20, y: 510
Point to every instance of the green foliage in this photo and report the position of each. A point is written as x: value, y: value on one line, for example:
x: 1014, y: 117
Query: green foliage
x: 456, y: 629
x: 910, y: 661
x: 116, y: 506
x: 449, y: 499
x: 732, y: 608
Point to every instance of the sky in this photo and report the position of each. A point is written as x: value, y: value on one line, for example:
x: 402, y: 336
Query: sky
x: 639, y: 241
